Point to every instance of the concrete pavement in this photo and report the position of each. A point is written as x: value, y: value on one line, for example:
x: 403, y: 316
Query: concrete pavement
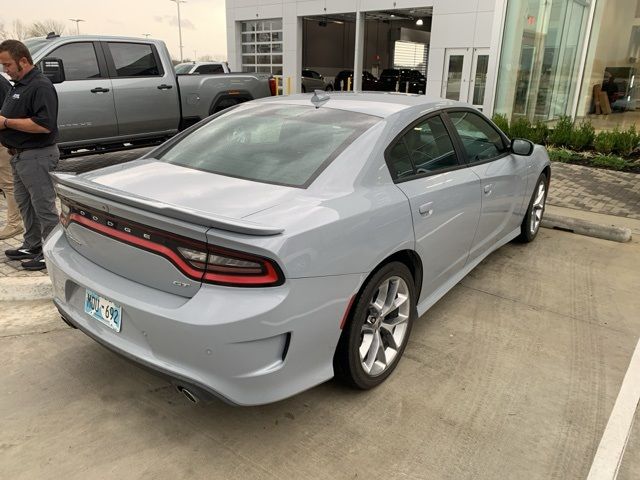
x: 512, y: 374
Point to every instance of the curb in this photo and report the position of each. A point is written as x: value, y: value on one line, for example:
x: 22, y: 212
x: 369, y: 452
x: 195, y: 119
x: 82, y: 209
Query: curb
x: 584, y: 227
x: 25, y: 288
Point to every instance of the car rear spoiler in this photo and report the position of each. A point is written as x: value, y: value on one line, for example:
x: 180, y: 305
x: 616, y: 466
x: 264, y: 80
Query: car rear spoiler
x: 66, y: 184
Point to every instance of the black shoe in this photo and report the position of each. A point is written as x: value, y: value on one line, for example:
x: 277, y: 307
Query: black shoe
x: 22, y: 253
x: 36, y: 264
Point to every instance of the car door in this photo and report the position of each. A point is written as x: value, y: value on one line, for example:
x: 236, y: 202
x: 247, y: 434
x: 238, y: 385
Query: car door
x: 145, y: 95
x: 444, y: 197
x: 502, y: 176
x: 86, y: 108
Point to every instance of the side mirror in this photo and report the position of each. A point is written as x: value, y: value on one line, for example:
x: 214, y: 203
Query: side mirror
x: 53, y: 69
x: 520, y: 146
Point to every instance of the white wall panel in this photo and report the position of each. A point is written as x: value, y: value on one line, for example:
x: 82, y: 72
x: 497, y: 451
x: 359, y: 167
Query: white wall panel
x: 445, y: 7
x: 452, y: 30
x: 484, y: 25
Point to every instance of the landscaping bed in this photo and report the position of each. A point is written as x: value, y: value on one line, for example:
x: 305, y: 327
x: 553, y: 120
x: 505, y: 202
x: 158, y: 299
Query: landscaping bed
x: 579, y: 144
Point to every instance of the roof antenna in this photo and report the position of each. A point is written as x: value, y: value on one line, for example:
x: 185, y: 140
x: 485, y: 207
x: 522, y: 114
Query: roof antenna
x: 320, y: 97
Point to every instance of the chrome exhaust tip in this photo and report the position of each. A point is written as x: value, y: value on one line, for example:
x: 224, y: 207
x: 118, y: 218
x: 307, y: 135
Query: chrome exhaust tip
x: 192, y: 397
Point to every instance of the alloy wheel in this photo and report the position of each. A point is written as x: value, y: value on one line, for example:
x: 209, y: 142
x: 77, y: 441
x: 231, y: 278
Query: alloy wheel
x: 537, y: 207
x: 383, y: 332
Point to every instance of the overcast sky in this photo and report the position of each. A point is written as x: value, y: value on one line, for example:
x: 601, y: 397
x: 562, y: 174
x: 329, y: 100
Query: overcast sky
x: 203, y: 21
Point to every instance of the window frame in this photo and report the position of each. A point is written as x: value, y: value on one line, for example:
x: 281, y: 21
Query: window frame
x: 102, y: 64
x: 505, y: 140
x: 111, y: 66
x: 400, y: 137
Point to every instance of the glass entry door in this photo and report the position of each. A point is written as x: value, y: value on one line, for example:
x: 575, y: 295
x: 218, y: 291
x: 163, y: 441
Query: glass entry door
x: 478, y: 81
x: 457, y: 68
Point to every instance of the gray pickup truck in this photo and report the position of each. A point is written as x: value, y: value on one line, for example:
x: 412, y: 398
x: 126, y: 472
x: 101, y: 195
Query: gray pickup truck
x: 116, y: 92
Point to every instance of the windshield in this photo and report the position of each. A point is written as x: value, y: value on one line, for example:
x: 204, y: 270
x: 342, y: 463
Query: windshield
x: 280, y: 144
x: 35, y: 44
x: 183, y: 67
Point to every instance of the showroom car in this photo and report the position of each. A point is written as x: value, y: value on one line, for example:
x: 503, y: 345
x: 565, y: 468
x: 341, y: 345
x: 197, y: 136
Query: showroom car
x: 289, y: 240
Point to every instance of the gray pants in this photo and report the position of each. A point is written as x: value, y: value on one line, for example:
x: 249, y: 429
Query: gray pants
x: 34, y: 192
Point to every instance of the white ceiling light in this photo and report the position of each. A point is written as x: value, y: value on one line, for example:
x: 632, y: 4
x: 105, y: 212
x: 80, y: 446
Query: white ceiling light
x: 419, y: 22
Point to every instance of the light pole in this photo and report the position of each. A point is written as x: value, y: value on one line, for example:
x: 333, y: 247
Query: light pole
x: 77, y: 20
x: 178, y: 2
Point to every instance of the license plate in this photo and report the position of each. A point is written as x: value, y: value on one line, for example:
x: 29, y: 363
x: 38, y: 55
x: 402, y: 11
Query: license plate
x: 103, y: 310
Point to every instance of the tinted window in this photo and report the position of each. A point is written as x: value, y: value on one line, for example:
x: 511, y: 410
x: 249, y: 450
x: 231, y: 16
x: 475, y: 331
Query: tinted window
x: 209, y: 69
x: 79, y: 60
x: 481, y: 141
x: 286, y: 145
x: 134, y: 60
x: 424, y: 148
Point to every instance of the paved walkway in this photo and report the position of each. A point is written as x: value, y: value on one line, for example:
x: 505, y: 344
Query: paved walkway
x: 572, y: 186
x: 595, y: 190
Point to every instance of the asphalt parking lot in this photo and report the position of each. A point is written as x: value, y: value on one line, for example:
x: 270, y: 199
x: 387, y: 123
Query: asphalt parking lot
x: 513, y: 374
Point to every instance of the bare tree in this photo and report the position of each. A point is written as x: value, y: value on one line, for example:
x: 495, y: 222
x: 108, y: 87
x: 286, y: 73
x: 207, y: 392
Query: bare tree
x: 18, y: 30
x: 43, y: 27
x: 3, y: 32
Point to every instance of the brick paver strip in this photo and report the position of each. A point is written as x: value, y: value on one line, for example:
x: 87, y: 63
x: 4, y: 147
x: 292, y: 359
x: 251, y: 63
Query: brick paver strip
x: 572, y: 186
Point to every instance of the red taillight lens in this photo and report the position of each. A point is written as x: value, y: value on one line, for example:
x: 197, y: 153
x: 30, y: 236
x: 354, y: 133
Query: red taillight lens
x: 273, y: 86
x: 196, y: 260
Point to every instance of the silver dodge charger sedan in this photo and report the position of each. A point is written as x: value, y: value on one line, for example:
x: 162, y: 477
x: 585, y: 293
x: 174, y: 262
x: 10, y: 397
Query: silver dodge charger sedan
x: 289, y: 240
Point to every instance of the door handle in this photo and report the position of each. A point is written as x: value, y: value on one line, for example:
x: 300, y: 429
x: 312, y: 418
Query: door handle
x: 426, y: 210
x: 164, y: 86
x: 488, y: 189
x: 99, y: 90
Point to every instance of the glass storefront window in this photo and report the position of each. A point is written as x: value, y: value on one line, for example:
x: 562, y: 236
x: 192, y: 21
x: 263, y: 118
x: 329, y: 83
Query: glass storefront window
x: 540, y: 58
x: 610, y: 95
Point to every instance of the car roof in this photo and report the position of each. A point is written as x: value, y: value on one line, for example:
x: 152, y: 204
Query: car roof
x: 379, y: 104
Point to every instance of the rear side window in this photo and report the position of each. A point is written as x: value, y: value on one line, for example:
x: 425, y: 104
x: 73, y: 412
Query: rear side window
x: 209, y: 69
x: 134, y: 60
x: 480, y: 140
x: 281, y: 144
x: 79, y: 61
x: 424, y: 148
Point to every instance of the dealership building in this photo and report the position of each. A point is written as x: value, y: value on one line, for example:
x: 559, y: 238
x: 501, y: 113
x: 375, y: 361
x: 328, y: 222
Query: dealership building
x: 539, y: 59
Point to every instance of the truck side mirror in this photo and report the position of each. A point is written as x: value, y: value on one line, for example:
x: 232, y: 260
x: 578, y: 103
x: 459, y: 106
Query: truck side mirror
x: 53, y: 69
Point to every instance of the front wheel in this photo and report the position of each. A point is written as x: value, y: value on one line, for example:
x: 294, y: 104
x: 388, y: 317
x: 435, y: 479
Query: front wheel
x: 532, y: 219
x: 378, y: 329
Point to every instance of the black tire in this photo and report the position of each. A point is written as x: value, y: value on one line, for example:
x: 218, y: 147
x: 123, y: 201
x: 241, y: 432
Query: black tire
x: 348, y: 366
x: 527, y: 233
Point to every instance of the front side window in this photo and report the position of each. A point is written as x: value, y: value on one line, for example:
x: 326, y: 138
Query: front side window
x: 284, y: 145
x: 424, y: 148
x: 480, y: 140
x: 79, y: 61
x: 134, y: 60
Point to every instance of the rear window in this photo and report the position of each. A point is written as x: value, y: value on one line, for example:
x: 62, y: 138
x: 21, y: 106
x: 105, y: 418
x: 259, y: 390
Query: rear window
x: 280, y: 144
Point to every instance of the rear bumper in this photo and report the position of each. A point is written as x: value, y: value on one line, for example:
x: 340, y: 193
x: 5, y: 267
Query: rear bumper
x: 246, y: 346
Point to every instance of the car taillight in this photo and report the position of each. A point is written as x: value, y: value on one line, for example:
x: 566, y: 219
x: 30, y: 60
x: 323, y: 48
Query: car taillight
x: 196, y: 260
x: 273, y: 86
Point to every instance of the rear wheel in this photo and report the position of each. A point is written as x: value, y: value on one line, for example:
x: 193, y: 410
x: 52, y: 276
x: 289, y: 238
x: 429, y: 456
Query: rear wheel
x: 376, y: 335
x: 531, y: 221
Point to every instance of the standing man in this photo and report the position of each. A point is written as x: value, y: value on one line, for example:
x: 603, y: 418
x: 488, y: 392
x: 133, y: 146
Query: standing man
x: 28, y: 127
x: 13, y: 226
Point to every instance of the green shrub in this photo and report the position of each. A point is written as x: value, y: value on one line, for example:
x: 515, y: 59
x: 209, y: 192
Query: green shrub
x: 609, y: 161
x: 539, y: 133
x: 520, y: 128
x: 604, y: 142
x: 561, y: 155
x: 501, y: 121
x: 582, y: 137
x: 561, y: 134
x: 625, y: 142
